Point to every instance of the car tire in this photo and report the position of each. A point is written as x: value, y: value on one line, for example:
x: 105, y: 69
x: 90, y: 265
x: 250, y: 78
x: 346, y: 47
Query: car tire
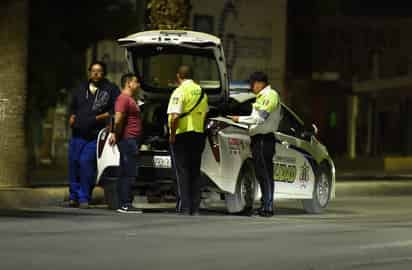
x: 245, y: 192
x: 111, y: 196
x: 321, y: 193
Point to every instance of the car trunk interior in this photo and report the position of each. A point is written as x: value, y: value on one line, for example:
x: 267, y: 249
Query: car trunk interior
x: 155, y: 131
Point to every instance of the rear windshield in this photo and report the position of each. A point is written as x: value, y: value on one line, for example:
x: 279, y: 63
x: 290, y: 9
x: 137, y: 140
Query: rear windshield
x: 157, y: 66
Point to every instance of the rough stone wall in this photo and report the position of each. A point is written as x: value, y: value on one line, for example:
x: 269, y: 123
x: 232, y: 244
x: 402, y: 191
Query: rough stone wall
x: 13, y: 78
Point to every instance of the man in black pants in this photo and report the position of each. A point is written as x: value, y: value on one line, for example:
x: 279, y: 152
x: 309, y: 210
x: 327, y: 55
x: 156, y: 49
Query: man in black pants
x: 263, y: 121
x: 187, y: 112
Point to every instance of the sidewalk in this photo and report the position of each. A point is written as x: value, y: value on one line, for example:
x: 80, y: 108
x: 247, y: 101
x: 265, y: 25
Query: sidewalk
x: 374, y: 168
x: 35, y: 197
x: 55, y: 196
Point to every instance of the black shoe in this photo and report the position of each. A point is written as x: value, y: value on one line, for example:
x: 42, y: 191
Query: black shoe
x: 260, y: 211
x: 248, y: 211
x: 127, y: 209
x: 184, y: 213
x: 266, y: 214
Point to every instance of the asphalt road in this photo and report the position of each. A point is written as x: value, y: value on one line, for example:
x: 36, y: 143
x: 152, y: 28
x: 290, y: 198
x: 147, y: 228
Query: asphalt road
x: 354, y: 233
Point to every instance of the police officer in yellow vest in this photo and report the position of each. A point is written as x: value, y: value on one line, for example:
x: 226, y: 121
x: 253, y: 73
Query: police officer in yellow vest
x: 187, y: 112
x: 263, y: 123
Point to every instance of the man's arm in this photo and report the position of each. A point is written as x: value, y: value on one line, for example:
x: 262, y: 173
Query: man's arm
x: 103, y: 116
x: 256, y: 118
x: 174, y: 123
x: 118, y: 127
x: 261, y: 111
x: 114, y: 93
x: 73, y: 109
x: 174, y: 109
x: 253, y: 119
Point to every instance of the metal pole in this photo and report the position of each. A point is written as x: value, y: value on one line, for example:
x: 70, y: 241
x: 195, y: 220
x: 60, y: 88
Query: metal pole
x: 352, y: 119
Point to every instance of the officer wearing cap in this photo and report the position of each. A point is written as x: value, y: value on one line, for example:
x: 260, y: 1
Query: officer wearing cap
x: 263, y: 123
x: 187, y: 112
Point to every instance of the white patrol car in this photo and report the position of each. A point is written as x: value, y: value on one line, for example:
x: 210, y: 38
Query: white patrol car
x: 303, y: 168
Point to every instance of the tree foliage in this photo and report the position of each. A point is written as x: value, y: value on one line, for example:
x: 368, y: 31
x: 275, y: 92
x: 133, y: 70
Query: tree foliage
x: 169, y: 14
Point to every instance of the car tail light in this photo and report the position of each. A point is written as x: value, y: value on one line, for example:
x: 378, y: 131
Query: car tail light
x: 212, y: 131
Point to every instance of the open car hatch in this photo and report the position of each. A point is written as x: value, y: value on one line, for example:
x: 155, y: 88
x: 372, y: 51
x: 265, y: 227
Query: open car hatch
x: 156, y: 55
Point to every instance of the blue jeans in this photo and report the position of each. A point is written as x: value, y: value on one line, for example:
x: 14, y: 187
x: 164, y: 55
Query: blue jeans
x: 82, y: 169
x: 128, y: 168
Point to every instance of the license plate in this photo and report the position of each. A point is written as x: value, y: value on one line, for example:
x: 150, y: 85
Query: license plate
x: 162, y: 162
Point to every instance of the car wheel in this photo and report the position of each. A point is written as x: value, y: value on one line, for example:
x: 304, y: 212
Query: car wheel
x: 244, y: 195
x: 111, y: 196
x: 321, y: 193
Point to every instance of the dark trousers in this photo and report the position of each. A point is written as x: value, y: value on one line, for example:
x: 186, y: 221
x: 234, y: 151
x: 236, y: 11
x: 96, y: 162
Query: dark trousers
x: 82, y: 169
x: 186, y: 155
x: 128, y: 168
x: 263, y: 150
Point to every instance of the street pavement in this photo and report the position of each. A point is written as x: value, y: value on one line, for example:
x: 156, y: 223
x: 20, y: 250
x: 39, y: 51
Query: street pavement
x: 354, y: 233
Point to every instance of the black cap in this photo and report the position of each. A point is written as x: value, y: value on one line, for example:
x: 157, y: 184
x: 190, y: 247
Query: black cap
x: 258, y: 76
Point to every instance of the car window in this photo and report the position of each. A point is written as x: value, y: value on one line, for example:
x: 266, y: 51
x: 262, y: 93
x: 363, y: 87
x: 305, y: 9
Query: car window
x: 289, y: 124
x: 158, y: 66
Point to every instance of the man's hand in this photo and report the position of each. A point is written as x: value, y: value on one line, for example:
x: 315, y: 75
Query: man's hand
x: 102, y: 116
x: 172, y: 139
x: 112, y: 139
x: 174, y: 122
x: 72, y: 120
x: 234, y: 118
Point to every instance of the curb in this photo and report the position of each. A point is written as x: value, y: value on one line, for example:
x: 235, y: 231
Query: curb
x: 40, y: 197
x: 374, y: 188
x: 373, y: 177
x: 56, y: 196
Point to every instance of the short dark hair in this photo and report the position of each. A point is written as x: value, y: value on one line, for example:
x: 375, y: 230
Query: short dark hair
x: 185, y: 72
x: 126, y: 78
x: 258, y: 76
x: 100, y: 63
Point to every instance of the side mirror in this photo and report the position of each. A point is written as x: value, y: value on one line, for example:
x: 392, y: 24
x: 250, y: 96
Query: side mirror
x: 312, y: 131
x: 315, y: 129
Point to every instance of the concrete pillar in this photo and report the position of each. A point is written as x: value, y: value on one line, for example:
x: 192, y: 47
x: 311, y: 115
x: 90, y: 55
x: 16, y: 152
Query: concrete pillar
x: 13, y: 84
x: 352, y: 119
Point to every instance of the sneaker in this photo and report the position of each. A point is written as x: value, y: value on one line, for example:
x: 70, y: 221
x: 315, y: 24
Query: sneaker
x: 84, y: 205
x: 73, y: 204
x: 129, y: 209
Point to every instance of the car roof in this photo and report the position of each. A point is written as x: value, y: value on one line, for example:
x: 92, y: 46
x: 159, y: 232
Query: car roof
x: 239, y: 91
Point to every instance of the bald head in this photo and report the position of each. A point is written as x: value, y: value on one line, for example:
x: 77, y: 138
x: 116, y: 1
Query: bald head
x: 184, y: 72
